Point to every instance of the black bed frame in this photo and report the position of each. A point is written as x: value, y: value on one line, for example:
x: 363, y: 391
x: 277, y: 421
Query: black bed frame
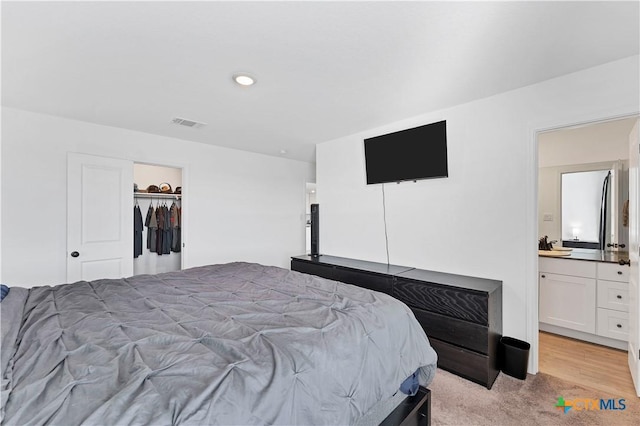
x: 413, y: 411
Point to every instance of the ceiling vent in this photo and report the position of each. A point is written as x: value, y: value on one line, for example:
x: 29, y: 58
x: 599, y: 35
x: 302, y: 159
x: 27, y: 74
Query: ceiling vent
x: 187, y: 123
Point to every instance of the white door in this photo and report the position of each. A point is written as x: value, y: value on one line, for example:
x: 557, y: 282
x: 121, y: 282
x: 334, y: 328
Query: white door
x: 634, y: 254
x: 99, y: 217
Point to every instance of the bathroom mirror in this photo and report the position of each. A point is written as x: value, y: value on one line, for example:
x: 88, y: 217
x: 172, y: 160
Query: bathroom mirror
x: 592, y: 202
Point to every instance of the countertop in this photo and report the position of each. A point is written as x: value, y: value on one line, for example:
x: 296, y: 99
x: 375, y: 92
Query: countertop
x: 595, y: 255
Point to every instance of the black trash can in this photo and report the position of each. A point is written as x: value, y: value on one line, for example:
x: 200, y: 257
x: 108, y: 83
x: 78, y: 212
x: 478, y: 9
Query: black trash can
x: 514, y: 357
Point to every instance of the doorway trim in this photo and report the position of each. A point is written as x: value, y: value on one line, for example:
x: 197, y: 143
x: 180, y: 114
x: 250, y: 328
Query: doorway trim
x: 531, y: 216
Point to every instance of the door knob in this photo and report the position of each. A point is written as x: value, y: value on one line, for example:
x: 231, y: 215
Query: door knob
x: 75, y: 254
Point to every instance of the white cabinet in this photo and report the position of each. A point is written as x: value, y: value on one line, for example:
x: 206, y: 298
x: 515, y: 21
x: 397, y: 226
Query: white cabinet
x: 613, y: 324
x: 613, y: 295
x: 568, y: 301
x: 587, y: 300
x: 613, y: 272
x: 576, y: 268
x: 613, y: 301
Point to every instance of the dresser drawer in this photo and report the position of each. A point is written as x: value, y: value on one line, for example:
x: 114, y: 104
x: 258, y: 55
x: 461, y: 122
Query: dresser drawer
x: 614, y: 324
x: 444, y: 300
x: 613, y: 295
x: 613, y: 272
x: 473, y: 366
x: 323, y: 271
x: 457, y: 332
x: 576, y: 268
x: 372, y: 281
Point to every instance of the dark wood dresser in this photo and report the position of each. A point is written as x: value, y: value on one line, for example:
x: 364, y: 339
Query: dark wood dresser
x: 461, y: 315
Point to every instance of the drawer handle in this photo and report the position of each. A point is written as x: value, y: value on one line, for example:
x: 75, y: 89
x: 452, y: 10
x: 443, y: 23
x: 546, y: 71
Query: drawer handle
x: 619, y: 297
x: 622, y: 262
x: 619, y: 325
x: 619, y: 272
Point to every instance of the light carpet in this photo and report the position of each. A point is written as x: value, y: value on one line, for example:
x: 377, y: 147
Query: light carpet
x: 456, y: 401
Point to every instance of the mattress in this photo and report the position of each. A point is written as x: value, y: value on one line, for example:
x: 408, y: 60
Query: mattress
x: 237, y: 343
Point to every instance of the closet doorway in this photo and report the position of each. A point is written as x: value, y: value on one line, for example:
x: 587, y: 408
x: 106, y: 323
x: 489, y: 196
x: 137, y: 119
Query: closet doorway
x: 157, y: 219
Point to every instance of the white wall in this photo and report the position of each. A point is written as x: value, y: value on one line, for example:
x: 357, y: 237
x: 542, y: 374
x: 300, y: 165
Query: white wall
x: 238, y: 205
x: 147, y: 174
x: 481, y: 220
x: 597, y: 142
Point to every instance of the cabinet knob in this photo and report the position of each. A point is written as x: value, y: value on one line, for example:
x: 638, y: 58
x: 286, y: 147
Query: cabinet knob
x: 619, y: 297
x: 624, y: 262
x: 543, y: 276
x: 622, y: 245
x: 619, y: 325
x: 75, y: 254
x: 619, y: 272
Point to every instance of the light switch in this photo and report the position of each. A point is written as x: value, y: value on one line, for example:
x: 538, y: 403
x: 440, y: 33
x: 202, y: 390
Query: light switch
x: 548, y: 217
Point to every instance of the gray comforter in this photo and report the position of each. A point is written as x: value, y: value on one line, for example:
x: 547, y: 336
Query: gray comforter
x: 237, y: 343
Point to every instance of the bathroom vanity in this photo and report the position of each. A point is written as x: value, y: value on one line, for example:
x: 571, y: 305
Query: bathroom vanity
x: 584, y: 295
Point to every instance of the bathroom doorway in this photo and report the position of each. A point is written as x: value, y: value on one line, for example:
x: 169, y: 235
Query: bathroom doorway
x: 571, y: 335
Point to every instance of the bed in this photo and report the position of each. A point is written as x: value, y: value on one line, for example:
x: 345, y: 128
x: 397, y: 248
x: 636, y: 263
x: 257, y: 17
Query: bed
x: 236, y: 343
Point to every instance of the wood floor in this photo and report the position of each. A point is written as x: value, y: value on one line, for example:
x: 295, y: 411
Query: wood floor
x: 586, y: 364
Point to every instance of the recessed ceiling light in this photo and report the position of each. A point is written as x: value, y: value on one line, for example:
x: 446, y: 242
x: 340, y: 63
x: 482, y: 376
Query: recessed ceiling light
x: 244, y: 79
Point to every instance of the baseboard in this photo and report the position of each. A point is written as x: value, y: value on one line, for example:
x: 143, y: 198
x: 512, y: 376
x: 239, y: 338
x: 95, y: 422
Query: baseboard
x: 580, y: 335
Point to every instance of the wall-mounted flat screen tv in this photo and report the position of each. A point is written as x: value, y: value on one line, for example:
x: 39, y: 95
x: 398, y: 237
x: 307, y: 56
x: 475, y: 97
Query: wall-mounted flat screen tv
x: 411, y: 154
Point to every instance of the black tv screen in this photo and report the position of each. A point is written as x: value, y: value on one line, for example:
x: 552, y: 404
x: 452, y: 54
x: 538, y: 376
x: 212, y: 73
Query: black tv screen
x: 412, y: 154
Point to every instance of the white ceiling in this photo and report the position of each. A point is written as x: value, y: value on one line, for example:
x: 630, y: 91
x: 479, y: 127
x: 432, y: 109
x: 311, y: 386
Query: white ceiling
x: 324, y: 69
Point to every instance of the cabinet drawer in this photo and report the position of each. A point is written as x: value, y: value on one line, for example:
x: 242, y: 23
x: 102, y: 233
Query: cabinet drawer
x: 614, y: 324
x: 613, y: 272
x: 577, y: 268
x: 613, y: 295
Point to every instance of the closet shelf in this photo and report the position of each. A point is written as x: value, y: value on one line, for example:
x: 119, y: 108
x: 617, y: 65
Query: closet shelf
x: 156, y: 195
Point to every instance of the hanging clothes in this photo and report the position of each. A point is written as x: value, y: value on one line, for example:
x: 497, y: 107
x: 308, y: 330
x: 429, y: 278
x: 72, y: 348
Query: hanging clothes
x: 152, y: 228
x: 175, y: 228
x: 138, y: 227
x: 160, y: 233
x: 167, y: 239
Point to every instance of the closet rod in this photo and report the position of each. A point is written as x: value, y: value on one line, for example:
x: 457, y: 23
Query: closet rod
x: 156, y: 195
